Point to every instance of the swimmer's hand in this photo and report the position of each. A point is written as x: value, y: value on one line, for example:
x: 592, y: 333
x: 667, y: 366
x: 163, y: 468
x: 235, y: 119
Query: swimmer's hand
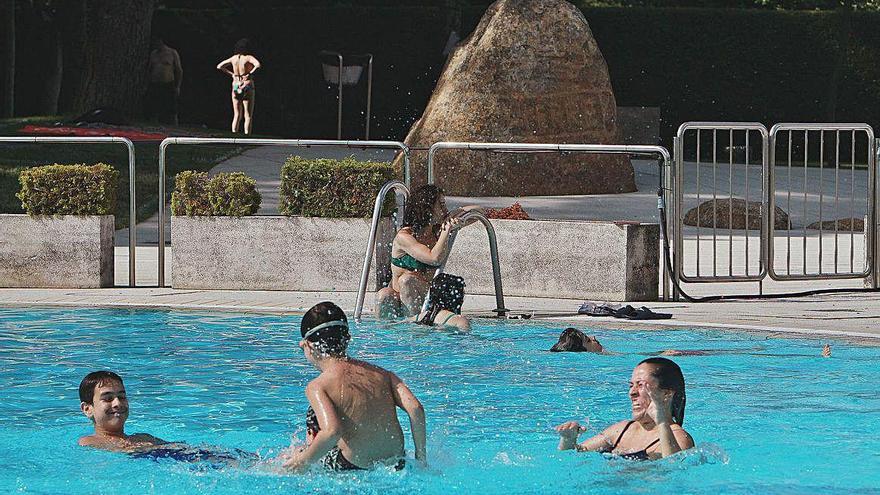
x: 570, y: 430
x: 295, y: 461
x: 568, y: 434
x: 660, y: 409
x: 450, y: 225
x: 826, y: 350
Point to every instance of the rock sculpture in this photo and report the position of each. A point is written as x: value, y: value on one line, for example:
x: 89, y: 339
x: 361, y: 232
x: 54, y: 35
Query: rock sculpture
x: 530, y: 72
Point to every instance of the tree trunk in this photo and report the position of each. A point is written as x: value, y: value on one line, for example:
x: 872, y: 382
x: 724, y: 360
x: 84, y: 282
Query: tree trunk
x: 106, y: 50
x: 7, y: 50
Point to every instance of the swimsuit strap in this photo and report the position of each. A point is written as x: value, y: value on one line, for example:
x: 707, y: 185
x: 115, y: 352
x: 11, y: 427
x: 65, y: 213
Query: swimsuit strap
x: 620, y: 437
x: 447, y: 319
x: 645, y: 450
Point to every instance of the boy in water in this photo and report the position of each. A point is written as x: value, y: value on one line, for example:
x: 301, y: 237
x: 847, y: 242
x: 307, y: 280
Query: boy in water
x: 354, y: 402
x: 103, y: 400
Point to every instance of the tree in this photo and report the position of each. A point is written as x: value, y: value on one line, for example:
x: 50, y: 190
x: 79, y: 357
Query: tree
x: 105, y: 52
x: 7, y: 58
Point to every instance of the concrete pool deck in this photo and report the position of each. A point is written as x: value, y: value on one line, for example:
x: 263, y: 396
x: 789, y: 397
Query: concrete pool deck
x: 846, y: 315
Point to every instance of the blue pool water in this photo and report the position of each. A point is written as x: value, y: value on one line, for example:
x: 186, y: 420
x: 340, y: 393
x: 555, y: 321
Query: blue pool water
x: 776, y: 420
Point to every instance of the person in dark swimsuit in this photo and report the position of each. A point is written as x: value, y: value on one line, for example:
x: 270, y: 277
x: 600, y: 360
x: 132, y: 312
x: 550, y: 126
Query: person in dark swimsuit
x: 335, y: 460
x: 444, y: 304
x: 655, y: 431
x: 417, y: 250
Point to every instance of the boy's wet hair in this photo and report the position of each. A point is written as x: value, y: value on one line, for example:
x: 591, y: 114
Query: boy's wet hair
x: 331, y: 340
x: 94, y: 379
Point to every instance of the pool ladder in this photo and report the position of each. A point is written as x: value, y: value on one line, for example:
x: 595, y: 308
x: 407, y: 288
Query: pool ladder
x: 403, y: 192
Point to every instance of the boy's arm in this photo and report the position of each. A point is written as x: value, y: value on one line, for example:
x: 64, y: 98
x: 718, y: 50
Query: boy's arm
x: 331, y: 430
x: 406, y: 400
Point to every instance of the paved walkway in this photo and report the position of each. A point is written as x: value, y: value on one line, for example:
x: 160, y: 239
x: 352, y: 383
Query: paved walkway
x: 848, y: 316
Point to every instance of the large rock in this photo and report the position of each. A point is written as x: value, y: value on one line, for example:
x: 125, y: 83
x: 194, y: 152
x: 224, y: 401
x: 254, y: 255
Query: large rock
x: 726, y: 213
x: 530, y: 72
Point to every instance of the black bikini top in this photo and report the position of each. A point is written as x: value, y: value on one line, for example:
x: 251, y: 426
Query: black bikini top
x: 640, y: 455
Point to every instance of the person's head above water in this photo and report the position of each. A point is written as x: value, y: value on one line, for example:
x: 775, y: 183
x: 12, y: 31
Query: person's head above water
x: 324, y: 330
x: 573, y: 340
x: 103, y: 400
x: 425, y: 206
x: 242, y: 47
x: 446, y: 292
x: 665, y: 375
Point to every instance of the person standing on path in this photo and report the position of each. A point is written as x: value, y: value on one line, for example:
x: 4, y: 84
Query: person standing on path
x: 165, y: 78
x: 242, y: 65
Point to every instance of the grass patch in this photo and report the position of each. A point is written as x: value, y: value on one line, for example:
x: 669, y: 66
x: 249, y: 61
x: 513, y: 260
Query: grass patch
x: 15, y: 157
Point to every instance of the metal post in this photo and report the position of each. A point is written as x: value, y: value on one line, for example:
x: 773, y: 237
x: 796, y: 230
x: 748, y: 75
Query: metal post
x: 402, y: 190
x: 339, y: 105
x: 369, y: 94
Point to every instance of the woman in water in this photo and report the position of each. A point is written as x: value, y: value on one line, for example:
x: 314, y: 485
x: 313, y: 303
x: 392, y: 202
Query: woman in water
x: 418, y: 249
x: 242, y: 65
x: 658, y: 398
x: 444, y: 304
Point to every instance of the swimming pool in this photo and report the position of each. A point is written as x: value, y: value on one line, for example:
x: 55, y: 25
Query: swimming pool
x: 778, y: 420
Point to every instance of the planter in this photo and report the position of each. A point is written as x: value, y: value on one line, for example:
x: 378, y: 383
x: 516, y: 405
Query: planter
x: 56, y: 252
x: 274, y: 253
x: 563, y: 259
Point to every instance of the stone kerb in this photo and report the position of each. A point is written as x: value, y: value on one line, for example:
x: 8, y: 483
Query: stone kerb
x: 562, y: 259
x: 56, y: 251
x: 274, y: 253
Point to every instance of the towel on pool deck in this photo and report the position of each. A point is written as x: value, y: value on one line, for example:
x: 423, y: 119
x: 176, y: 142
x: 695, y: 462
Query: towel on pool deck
x: 626, y: 312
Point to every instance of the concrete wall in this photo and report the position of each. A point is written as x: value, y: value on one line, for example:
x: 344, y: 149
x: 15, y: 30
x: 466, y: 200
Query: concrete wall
x: 58, y: 252
x: 579, y: 260
x: 564, y: 259
x: 272, y: 253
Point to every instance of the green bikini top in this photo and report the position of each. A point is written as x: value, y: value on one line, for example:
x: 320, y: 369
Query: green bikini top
x: 407, y: 262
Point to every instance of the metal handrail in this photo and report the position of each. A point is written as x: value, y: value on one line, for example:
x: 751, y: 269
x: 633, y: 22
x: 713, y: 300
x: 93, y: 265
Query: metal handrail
x: 493, y: 253
x: 659, y: 152
x: 132, y: 206
x: 402, y: 189
x: 295, y: 143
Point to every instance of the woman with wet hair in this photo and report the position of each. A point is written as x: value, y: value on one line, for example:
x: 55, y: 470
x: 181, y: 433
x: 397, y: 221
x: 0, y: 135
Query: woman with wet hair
x: 657, y: 394
x: 417, y: 250
x: 355, y: 417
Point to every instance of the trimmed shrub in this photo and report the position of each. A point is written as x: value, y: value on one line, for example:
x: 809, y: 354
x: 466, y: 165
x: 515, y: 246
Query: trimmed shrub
x: 224, y: 195
x: 332, y: 188
x: 233, y: 195
x: 68, y: 190
x: 190, y: 196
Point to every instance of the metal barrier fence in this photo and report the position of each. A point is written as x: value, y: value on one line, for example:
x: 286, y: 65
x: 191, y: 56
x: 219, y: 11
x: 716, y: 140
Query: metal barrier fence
x: 799, y: 151
x: 132, y: 207
x: 822, y: 172
x: 293, y: 143
x: 737, y: 142
x: 658, y: 152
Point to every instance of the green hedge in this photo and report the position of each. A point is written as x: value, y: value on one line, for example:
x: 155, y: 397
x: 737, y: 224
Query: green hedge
x: 68, y: 189
x: 224, y: 195
x: 9, y: 202
x: 332, y: 188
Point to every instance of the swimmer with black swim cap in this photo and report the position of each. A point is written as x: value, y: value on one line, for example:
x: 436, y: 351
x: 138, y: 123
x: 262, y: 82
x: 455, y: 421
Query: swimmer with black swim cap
x: 445, y: 298
x: 354, y: 402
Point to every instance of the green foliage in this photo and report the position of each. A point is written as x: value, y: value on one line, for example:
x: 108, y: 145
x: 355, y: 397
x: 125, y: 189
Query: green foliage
x: 332, y: 188
x: 226, y: 194
x: 9, y: 203
x: 68, y: 189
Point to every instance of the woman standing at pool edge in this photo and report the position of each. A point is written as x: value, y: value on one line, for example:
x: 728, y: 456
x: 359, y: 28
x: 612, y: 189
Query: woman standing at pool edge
x: 244, y: 95
x: 417, y: 250
x: 657, y: 393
